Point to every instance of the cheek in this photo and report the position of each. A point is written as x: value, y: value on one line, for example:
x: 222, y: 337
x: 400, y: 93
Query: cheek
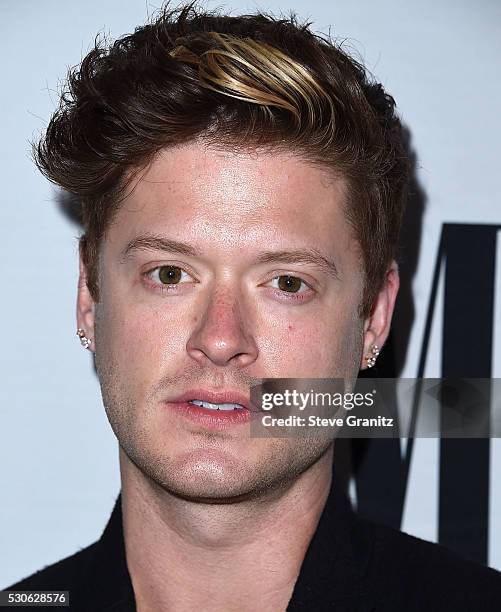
x: 313, y: 347
x: 156, y: 334
x: 141, y: 339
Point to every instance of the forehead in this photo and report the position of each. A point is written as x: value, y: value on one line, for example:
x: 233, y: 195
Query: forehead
x: 237, y: 197
x: 238, y: 175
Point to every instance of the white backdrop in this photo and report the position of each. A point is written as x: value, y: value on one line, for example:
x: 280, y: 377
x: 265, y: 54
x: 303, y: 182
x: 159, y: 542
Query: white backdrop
x: 58, y: 457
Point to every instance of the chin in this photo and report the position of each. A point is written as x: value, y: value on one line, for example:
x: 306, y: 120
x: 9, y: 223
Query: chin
x: 225, y: 473
x: 211, y: 474
x: 205, y: 490
x: 199, y: 474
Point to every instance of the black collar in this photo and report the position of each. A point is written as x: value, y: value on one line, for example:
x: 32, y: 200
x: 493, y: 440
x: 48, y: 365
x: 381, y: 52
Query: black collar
x: 331, y: 576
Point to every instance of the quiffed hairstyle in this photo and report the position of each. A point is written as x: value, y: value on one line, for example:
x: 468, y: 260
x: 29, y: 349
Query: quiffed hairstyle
x: 247, y: 81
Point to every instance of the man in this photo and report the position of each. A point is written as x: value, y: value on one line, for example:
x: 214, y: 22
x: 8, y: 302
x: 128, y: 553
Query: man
x: 242, y: 185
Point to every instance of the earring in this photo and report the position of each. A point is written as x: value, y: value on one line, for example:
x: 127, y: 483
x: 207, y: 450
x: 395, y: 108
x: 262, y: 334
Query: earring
x: 84, y: 341
x: 371, y: 359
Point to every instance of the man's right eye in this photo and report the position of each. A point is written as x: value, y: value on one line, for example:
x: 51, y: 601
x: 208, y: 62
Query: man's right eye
x: 168, y: 275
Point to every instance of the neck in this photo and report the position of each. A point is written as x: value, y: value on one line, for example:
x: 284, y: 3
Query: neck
x: 185, y: 555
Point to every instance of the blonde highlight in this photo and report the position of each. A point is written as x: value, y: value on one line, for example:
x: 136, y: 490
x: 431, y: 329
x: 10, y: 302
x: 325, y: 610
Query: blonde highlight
x: 221, y: 69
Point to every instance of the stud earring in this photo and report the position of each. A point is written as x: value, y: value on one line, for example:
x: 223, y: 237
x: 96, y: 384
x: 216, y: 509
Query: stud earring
x: 84, y: 341
x: 371, y: 359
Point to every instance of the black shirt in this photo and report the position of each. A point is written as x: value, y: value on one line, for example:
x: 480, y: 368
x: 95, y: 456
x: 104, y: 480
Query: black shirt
x: 351, y: 565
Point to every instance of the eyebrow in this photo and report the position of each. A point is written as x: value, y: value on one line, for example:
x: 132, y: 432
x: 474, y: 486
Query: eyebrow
x: 152, y: 242
x: 307, y: 256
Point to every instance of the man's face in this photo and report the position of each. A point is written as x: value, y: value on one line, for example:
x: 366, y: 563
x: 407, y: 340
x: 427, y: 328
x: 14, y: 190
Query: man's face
x: 246, y: 291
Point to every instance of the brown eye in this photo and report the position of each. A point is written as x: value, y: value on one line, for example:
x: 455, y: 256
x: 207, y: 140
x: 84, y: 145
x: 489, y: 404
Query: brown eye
x: 291, y: 284
x: 169, y: 275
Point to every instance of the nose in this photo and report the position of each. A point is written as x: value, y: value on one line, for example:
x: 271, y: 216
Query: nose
x: 222, y: 334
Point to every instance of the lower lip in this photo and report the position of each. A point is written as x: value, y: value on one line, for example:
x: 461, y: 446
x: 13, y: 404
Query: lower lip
x: 212, y: 419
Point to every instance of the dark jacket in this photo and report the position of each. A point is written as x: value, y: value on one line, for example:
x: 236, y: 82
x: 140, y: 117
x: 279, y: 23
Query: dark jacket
x: 351, y: 565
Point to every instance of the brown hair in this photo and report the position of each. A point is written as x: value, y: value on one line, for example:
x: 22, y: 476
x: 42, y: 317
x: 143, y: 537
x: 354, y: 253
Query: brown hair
x: 247, y: 81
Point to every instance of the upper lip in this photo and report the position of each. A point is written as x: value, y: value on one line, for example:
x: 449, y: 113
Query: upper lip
x: 223, y: 396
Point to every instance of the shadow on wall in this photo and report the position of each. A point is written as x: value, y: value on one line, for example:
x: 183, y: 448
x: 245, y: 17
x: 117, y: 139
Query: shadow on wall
x: 409, y: 248
x: 69, y: 205
x: 379, y: 469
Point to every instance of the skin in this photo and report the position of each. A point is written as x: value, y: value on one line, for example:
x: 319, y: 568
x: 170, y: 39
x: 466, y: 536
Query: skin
x: 228, y: 514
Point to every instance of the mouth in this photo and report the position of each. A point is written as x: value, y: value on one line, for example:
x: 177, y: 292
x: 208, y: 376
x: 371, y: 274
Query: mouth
x: 214, y: 409
x: 224, y: 400
x: 210, y: 406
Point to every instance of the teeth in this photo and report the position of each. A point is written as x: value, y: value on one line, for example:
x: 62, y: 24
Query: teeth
x: 211, y: 406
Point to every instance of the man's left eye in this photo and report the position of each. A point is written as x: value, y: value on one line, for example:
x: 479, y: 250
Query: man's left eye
x: 289, y: 284
x: 168, y: 275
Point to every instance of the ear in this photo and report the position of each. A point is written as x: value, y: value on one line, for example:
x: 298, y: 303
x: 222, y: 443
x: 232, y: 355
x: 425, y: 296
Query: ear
x: 85, y: 303
x: 377, y: 324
